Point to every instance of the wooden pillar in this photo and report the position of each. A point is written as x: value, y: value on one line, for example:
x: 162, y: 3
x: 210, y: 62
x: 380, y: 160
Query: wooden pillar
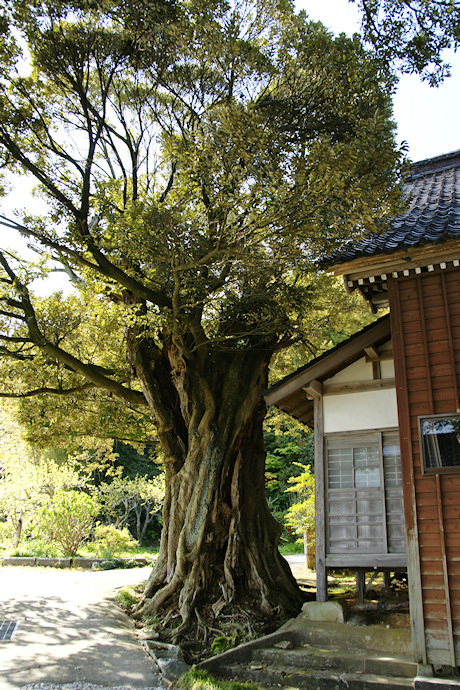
x: 360, y: 585
x: 314, y: 391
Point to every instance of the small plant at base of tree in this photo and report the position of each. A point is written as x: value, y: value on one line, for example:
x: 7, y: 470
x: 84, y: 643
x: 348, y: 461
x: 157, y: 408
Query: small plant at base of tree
x: 201, y: 680
x: 127, y: 597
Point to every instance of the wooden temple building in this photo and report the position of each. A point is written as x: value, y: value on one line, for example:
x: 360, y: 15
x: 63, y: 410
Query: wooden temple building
x: 385, y: 408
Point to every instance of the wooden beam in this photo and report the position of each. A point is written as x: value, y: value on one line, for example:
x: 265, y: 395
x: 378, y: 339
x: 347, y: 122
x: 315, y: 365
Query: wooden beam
x: 384, y: 356
x: 345, y: 355
x: 368, y: 561
x: 415, y: 257
x: 358, y: 386
x: 320, y: 502
x: 372, y: 353
x: 314, y: 389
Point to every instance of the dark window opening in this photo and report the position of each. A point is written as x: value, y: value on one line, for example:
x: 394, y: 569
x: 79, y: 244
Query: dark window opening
x: 440, y: 443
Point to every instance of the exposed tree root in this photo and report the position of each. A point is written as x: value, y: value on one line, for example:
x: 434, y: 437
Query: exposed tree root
x: 205, y: 635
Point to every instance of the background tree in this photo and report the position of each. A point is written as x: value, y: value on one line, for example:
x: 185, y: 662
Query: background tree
x: 413, y: 35
x: 196, y: 157
x: 67, y: 518
x: 287, y: 443
x: 28, y: 477
x: 139, y: 497
x: 301, y: 514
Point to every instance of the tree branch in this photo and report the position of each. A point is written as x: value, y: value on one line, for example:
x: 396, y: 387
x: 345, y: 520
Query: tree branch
x: 89, y: 371
x: 103, y: 266
x: 54, y: 391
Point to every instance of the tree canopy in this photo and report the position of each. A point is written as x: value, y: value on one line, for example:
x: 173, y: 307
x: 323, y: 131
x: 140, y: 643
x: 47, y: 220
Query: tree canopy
x: 196, y: 157
x: 413, y: 35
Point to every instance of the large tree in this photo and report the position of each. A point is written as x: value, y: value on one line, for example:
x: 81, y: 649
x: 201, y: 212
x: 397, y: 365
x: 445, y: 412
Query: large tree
x: 413, y: 35
x: 196, y: 157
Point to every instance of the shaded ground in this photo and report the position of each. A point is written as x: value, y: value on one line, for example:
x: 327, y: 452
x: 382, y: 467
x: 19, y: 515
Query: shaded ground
x: 70, y: 629
x: 383, y: 606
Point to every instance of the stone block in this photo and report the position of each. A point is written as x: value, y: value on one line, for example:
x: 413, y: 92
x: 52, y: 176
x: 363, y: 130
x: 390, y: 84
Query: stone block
x: 19, y: 560
x: 172, y: 670
x: 85, y: 563
x: 54, y: 562
x: 423, y: 683
x: 325, y: 611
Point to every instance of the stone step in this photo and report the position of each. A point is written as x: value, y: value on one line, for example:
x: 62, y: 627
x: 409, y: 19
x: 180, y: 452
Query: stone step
x: 309, y: 656
x: 269, y: 678
x: 387, y: 642
x: 322, y: 656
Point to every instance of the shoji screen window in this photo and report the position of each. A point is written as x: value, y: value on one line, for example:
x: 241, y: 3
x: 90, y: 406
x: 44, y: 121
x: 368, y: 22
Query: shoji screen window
x: 363, y: 474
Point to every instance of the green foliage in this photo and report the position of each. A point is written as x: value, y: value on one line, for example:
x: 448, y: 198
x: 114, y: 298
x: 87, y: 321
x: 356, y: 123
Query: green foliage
x: 28, y: 476
x: 137, y: 461
x: 291, y: 548
x: 196, y: 679
x: 127, y: 597
x: 413, y: 35
x: 287, y: 443
x: 110, y: 541
x: 40, y: 548
x: 87, y: 418
x: 66, y: 519
x: 140, y: 498
x: 229, y: 172
x: 300, y: 517
x: 221, y: 644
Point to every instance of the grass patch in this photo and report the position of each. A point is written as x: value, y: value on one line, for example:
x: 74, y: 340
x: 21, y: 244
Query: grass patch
x: 40, y: 548
x: 35, y: 548
x: 290, y: 549
x: 127, y: 597
x: 201, y: 680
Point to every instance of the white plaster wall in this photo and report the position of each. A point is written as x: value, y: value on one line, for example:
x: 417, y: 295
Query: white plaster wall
x: 387, y: 368
x: 360, y: 411
x: 362, y: 371
x: 358, y: 371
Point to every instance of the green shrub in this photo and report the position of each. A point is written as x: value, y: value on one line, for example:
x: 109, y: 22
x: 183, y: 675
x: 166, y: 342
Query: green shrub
x: 110, y: 541
x: 36, y: 547
x: 300, y: 517
x: 6, y: 535
x: 291, y: 548
x: 221, y: 644
x: 66, y: 519
x: 127, y: 597
x: 201, y: 680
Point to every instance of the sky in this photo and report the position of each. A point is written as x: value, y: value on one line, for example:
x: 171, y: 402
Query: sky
x: 427, y: 118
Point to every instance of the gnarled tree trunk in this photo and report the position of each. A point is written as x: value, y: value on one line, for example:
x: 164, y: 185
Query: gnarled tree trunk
x: 219, y: 541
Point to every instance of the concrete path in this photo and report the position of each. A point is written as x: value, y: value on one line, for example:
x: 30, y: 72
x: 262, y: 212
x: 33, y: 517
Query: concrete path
x: 70, y: 630
x: 298, y: 565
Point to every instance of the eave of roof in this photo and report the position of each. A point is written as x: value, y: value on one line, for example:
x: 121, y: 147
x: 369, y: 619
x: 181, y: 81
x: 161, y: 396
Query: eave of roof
x: 289, y: 395
x: 432, y: 217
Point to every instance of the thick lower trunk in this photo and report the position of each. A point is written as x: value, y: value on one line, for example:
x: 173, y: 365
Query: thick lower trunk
x: 218, y: 549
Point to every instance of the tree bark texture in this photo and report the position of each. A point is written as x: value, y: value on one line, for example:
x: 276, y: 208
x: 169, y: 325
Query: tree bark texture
x: 219, y: 545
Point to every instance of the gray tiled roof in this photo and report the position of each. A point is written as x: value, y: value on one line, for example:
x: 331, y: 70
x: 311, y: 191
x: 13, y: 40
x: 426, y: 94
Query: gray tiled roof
x: 433, y: 192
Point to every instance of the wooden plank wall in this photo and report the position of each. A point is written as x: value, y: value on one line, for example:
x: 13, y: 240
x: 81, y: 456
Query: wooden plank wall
x: 425, y: 315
